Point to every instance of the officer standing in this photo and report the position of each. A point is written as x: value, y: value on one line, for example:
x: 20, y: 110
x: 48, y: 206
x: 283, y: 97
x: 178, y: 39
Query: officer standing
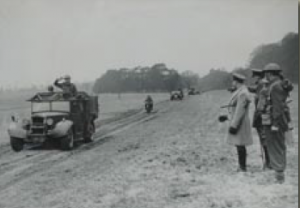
x: 66, y: 86
x: 240, y: 134
x: 259, y: 90
x: 278, y: 121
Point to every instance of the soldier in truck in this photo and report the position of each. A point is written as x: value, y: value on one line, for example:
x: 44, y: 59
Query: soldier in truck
x: 66, y: 86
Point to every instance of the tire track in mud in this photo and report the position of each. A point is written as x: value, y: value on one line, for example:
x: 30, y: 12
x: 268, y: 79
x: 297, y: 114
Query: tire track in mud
x: 32, y: 154
x: 4, y: 150
x: 17, y: 168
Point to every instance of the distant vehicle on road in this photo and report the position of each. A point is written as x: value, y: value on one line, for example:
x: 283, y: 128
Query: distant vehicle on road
x: 176, y: 95
x: 193, y: 91
x: 57, y: 117
x: 149, y: 104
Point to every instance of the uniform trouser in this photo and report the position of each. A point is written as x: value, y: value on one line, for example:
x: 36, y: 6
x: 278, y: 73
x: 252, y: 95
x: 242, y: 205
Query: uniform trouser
x: 261, y: 131
x: 277, y: 149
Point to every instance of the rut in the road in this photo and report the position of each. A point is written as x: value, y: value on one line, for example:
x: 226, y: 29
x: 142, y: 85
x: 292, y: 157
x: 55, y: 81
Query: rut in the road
x: 31, y: 162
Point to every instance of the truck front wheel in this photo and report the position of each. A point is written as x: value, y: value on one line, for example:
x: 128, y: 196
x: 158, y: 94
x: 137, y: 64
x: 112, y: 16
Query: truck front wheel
x: 16, y: 144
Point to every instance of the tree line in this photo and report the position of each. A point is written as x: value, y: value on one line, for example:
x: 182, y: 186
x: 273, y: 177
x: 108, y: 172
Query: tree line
x: 285, y: 53
x: 157, y: 78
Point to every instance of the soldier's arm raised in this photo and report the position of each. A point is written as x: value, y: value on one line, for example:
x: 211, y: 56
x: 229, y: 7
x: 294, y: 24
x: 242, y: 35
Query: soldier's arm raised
x: 57, y: 84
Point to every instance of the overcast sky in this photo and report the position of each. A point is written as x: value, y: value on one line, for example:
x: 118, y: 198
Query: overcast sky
x: 43, y: 39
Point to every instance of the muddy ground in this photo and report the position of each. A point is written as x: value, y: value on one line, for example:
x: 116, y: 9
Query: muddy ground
x: 174, y: 157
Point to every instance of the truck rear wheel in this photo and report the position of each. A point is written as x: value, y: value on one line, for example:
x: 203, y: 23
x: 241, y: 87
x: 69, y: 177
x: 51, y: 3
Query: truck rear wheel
x: 90, y: 130
x: 16, y: 144
x: 67, y: 142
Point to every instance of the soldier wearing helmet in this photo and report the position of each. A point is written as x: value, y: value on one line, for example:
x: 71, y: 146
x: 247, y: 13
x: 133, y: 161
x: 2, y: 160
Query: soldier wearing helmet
x: 259, y: 89
x: 277, y: 120
x: 257, y: 75
x: 66, y: 86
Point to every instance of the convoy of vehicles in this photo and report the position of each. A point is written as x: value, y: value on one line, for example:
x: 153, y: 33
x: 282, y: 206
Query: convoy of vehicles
x: 61, y: 118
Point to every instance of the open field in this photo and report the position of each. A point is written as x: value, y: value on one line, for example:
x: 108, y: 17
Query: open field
x: 174, y: 157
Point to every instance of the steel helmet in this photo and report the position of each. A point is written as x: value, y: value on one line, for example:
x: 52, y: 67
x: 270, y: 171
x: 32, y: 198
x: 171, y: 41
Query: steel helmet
x: 272, y: 67
x: 257, y: 72
x: 254, y: 70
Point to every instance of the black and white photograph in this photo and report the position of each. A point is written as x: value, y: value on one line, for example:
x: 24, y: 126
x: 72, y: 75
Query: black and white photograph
x: 149, y: 103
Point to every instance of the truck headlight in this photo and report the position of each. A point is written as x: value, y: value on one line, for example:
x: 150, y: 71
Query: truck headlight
x: 49, y: 121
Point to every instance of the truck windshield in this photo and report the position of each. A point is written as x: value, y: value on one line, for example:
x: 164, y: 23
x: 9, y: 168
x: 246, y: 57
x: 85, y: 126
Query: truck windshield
x: 50, y: 106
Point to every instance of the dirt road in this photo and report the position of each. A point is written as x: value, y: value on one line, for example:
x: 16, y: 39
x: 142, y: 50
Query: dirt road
x: 174, y: 157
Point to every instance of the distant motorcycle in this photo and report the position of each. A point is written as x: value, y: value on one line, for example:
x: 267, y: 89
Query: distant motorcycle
x: 148, y: 107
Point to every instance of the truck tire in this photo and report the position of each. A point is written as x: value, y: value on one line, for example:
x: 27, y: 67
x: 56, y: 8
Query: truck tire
x: 16, y: 144
x: 67, y: 142
x: 90, y: 130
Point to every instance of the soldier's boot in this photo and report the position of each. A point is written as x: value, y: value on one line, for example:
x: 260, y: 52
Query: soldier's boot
x: 279, y: 176
x: 242, y: 158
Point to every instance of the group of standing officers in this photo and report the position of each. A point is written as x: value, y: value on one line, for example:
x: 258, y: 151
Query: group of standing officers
x: 272, y: 118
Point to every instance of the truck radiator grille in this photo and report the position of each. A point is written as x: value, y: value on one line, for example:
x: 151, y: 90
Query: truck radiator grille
x: 37, y: 121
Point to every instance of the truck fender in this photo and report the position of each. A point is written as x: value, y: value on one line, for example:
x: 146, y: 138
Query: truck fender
x: 62, y: 128
x: 15, y: 129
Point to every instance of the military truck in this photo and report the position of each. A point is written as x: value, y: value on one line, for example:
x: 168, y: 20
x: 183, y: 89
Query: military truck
x: 193, y: 91
x: 58, y: 117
